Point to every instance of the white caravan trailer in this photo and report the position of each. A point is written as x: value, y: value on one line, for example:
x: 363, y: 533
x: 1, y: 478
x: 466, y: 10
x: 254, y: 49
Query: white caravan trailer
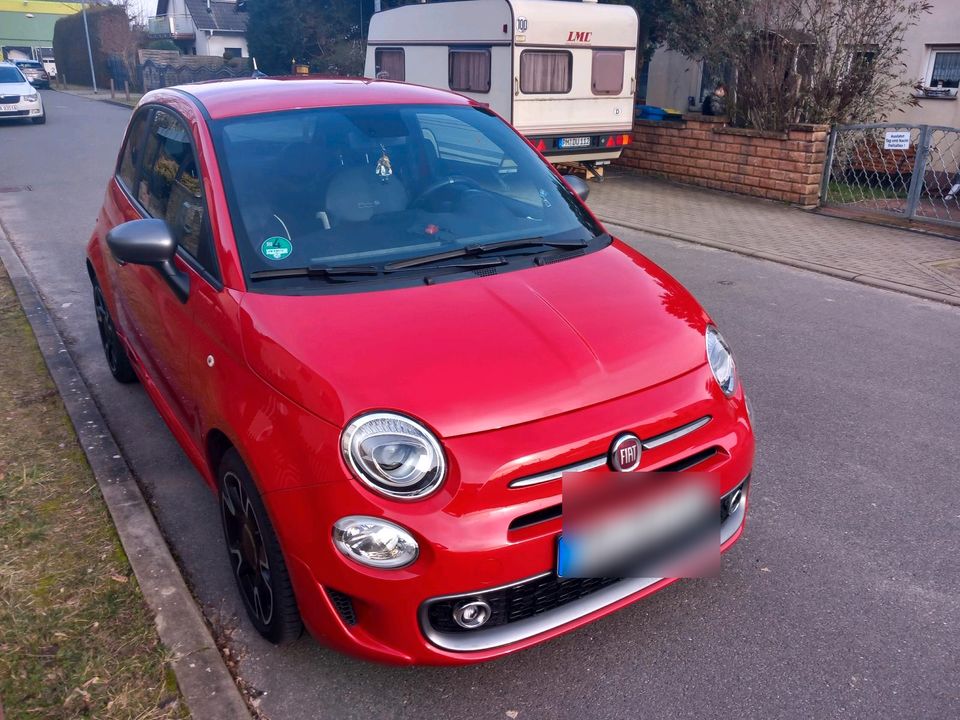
x: 563, y: 73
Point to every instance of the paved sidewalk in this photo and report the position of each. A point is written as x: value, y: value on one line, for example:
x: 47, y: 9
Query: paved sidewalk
x: 910, y: 262
x: 103, y: 94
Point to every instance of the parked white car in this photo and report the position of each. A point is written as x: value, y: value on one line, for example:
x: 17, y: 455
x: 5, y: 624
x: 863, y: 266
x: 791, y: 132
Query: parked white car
x: 18, y: 98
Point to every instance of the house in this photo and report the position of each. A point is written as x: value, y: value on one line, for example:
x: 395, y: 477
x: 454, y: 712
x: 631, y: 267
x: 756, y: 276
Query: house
x: 931, y: 61
x: 27, y: 26
x: 202, y: 27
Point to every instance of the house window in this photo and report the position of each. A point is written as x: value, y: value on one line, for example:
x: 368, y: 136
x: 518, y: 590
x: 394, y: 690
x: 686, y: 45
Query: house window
x: 607, y: 76
x: 546, y: 71
x: 232, y: 52
x: 710, y: 77
x: 469, y: 70
x: 945, y: 69
x: 389, y: 64
x: 860, y: 65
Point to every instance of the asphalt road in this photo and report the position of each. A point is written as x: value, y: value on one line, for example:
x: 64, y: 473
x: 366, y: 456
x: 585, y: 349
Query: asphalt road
x: 842, y: 600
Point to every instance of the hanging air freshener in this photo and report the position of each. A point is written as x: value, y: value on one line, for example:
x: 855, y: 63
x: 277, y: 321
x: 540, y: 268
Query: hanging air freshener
x: 384, y: 169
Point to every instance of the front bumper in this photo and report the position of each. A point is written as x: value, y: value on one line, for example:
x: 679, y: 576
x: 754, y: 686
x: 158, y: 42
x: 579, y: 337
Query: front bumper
x: 534, y: 606
x: 484, y: 531
x: 22, y: 108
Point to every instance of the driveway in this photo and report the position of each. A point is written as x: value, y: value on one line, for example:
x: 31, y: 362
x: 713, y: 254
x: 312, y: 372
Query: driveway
x: 842, y: 600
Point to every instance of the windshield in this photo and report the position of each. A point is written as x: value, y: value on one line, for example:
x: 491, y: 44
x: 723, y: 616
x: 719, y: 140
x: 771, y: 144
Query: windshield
x: 31, y: 65
x: 9, y: 74
x: 375, y: 185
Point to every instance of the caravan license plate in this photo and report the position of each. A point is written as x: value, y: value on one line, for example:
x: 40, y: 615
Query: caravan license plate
x: 574, y: 142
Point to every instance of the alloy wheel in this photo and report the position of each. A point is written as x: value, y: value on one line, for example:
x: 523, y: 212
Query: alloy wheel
x: 247, y: 549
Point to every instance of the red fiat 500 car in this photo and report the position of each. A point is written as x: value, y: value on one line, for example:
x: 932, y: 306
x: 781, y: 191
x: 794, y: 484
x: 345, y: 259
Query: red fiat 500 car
x: 383, y: 327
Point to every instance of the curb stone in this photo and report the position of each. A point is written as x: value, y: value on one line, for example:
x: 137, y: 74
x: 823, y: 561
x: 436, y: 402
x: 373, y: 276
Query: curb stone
x: 863, y: 279
x: 203, y: 678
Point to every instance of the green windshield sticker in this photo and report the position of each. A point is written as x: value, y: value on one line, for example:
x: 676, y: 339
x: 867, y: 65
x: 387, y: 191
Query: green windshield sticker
x: 276, y: 248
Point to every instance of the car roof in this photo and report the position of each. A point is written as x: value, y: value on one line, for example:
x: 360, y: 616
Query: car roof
x: 246, y: 96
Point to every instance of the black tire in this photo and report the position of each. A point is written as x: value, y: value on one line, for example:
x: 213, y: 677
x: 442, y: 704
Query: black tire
x: 40, y: 120
x: 255, y: 556
x: 116, y: 354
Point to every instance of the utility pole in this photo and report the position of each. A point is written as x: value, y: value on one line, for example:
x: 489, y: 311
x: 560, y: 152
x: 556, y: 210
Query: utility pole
x: 86, y: 30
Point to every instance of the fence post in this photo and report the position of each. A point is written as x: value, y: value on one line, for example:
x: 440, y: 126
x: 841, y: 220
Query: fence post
x: 113, y: 90
x: 126, y: 89
x: 828, y: 165
x: 919, y: 171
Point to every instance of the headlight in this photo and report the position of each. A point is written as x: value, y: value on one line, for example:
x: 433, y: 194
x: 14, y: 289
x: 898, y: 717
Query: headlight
x: 721, y: 361
x: 394, y: 455
x: 32, y: 97
x: 374, y: 542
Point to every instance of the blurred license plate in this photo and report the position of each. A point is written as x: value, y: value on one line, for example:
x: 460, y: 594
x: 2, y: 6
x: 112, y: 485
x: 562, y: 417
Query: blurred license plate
x: 8, y: 108
x: 574, y: 142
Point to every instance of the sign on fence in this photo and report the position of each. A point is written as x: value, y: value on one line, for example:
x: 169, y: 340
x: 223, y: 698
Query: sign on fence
x: 896, y: 140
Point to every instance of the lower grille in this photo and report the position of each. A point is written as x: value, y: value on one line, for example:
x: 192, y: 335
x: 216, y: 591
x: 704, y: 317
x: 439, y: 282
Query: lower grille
x: 343, y: 605
x: 518, y: 602
x: 15, y: 113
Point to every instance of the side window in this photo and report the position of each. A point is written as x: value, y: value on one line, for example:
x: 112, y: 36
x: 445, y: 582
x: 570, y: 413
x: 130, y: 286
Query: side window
x: 546, y: 71
x: 469, y: 70
x: 130, y: 159
x: 607, y: 76
x: 170, y: 186
x: 389, y: 64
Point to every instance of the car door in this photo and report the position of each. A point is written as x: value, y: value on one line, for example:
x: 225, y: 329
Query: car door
x: 166, y: 184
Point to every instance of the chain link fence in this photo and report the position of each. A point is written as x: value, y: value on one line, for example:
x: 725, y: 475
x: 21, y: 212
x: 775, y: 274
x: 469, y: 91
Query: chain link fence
x: 909, y: 171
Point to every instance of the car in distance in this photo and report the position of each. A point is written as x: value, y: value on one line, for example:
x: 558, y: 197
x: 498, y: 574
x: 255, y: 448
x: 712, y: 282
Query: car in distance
x: 34, y: 72
x: 18, y: 98
x: 382, y: 327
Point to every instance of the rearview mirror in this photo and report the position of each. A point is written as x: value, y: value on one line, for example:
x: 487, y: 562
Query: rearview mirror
x: 578, y: 185
x: 150, y: 242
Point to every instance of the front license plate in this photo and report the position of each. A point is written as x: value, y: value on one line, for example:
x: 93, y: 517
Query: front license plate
x: 8, y: 108
x: 563, y: 558
x: 574, y: 142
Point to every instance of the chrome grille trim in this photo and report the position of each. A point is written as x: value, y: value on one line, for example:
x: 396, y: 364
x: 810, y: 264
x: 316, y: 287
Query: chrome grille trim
x: 591, y: 464
x: 596, y: 462
x: 664, y: 438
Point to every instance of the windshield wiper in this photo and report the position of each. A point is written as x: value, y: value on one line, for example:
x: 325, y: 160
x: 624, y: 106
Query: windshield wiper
x: 472, y: 250
x: 471, y: 264
x: 325, y: 271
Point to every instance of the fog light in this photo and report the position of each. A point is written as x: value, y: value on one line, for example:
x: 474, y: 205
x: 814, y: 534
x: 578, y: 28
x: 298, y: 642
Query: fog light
x: 735, y: 499
x: 471, y: 614
x: 374, y: 542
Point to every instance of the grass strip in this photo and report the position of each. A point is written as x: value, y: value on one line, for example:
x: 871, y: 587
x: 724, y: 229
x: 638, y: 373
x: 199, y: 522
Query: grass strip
x: 76, y: 637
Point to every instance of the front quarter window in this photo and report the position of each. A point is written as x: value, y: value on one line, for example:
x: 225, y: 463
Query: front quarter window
x: 370, y: 187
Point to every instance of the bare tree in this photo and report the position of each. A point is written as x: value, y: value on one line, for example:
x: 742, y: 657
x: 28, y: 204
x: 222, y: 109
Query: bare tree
x: 808, y: 61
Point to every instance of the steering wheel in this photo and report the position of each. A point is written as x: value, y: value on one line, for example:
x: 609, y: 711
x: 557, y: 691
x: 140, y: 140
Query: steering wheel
x: 447, y: 182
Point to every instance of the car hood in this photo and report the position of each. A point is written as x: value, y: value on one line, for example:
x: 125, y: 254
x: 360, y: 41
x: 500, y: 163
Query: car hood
x: 17, y: 88
x: 481, y: 353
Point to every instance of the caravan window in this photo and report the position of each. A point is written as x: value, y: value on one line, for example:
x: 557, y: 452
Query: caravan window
x: 607, y: 72
x: 469, y: 70
x: 546, y: 71
x: 389, y: 64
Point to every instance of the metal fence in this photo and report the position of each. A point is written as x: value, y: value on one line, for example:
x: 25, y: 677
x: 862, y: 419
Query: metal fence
x: 907, y: 171
x: 153, y: 75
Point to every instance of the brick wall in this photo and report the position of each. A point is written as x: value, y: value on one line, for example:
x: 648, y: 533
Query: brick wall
x: 703, y: 150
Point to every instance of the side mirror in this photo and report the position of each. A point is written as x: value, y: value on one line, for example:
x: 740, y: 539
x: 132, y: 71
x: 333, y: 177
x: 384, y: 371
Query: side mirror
x: 150, y: 242
x: 142, y: 242
x: 578, y: 185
